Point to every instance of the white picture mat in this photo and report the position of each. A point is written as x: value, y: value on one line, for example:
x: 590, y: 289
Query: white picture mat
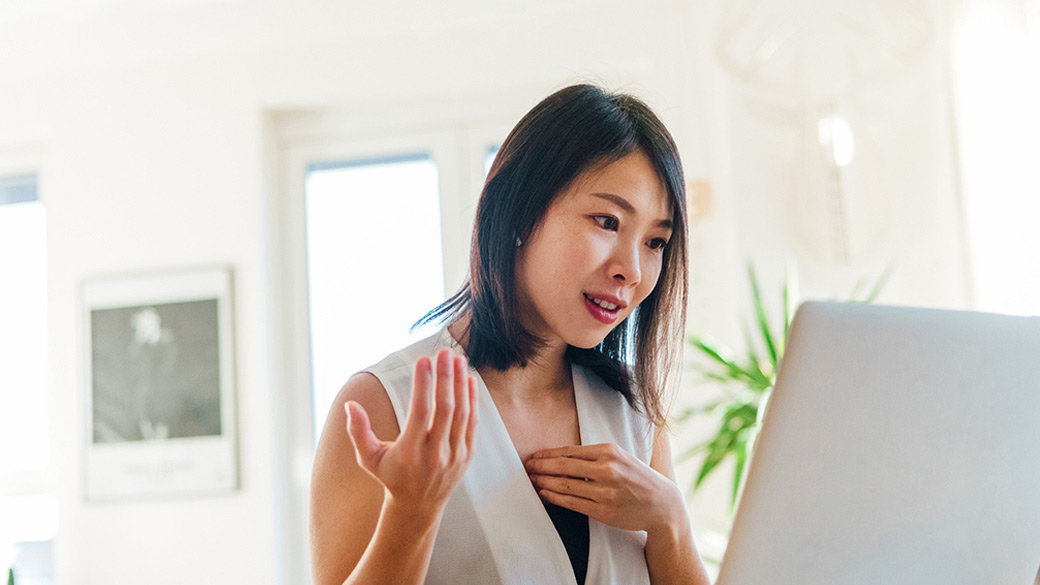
x: 172, y: 466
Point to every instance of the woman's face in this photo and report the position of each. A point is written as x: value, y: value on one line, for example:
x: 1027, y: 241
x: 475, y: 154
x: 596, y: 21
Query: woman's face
x: 596, y: 254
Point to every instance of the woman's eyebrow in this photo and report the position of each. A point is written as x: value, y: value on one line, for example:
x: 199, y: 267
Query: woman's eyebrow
x: 627, y: 207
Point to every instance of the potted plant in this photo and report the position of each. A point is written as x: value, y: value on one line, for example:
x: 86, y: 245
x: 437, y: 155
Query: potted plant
x: 747, y: 380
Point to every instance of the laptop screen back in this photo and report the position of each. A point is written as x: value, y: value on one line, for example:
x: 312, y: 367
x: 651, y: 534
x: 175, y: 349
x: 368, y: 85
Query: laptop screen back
x: 900, y: 446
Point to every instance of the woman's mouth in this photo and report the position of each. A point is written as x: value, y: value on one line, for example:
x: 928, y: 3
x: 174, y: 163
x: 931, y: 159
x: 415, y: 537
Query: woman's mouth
x: 602, y: 310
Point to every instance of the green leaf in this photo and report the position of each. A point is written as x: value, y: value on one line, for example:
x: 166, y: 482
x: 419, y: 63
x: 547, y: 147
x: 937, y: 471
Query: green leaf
x: 710, y: 350
x: 880, y: 284
x: 744, y: 413
x: 738, y: 474
x: 790, y: 299
x: 761, y: 314
x: 685, y: 415
x: 856, y: 289
x: 734, y: 370
x: 763, y: 402
x: 717, y: 377
x: 713, y: 561
x: 692, y: 411
x: 690, y: 452
x: 752, y: 353
x: 755, y: 363
x: 717, y: 451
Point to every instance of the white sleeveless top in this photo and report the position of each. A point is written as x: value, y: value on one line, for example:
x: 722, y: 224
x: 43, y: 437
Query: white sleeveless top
x: 495, y: 529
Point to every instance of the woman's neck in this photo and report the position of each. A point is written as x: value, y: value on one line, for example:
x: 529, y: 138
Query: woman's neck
x: 547, y: 375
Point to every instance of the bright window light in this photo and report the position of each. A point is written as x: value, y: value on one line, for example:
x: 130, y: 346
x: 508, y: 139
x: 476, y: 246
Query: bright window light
x: 28, y: 515
x: 996, y: 62
x: 31, y: 518
x: 835, y: 134
x: 489, y: 158
x: 374, y: 263
x: 24, y: 443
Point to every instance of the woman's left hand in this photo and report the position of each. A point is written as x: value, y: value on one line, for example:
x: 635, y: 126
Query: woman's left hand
x: 608, y: 484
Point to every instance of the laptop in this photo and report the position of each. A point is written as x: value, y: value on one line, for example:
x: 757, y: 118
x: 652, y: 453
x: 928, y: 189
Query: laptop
x: 900, y: 446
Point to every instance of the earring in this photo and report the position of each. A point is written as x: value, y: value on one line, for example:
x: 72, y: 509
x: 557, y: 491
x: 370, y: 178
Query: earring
x: 519, y: 242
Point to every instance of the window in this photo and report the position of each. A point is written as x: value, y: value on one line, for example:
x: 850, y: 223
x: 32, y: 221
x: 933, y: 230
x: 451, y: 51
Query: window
x: 374, y: 263
x: 28, y: 510
x: 996, y: 56
x: 489, y: 158
x: 23, y: 298
x: 370, y: 229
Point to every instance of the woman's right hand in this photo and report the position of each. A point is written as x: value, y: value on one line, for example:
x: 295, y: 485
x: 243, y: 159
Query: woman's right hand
x: 421, y: 467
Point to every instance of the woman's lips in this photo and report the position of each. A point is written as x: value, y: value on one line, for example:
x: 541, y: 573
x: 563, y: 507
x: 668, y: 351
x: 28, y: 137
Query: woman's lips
x: 599, y: 313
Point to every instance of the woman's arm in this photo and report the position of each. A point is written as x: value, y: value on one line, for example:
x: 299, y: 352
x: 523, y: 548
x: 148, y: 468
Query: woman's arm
x: 671, y: 554
x: 378, y: 493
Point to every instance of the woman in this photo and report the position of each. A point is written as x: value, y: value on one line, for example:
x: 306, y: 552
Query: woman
x: 578, y: 268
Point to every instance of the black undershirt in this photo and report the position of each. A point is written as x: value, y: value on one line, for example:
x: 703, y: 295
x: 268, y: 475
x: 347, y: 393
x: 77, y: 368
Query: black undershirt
x: 574, y: 531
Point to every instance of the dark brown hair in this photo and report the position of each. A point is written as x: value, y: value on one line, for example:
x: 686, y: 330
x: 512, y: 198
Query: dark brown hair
x: 576, y: 129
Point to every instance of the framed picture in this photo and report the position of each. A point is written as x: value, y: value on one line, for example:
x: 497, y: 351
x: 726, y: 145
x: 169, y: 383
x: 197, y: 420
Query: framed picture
x: 160, y: 407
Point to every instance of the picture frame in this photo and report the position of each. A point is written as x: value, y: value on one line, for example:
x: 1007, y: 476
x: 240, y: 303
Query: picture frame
x: 160, y: 400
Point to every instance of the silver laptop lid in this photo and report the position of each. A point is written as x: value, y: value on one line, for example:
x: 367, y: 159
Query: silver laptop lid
x: 901, y: 446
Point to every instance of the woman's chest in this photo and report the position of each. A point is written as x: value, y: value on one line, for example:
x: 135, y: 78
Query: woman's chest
x: 534, y: 428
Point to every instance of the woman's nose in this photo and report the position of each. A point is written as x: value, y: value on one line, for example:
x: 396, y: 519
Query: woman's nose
x: 625, y: 264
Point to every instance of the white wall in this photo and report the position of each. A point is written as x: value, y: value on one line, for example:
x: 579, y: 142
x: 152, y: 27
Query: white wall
x: 153, y: 119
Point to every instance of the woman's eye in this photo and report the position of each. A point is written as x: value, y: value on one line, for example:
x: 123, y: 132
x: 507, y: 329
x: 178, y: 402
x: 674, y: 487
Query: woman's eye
x: 658, y: 243
x: 607, y: 222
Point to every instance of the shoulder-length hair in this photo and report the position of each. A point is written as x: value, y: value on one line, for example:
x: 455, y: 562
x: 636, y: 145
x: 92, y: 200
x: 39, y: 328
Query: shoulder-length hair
x: 574, y: 130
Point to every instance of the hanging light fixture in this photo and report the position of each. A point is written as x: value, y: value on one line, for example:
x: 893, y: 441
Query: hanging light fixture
x: 808, y: 60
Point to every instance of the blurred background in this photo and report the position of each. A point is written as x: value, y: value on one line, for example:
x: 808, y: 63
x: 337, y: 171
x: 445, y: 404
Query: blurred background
x: 331, y: 153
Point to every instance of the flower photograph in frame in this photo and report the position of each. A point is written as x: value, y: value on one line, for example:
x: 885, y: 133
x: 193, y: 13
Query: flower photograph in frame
x: 160, y: 409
